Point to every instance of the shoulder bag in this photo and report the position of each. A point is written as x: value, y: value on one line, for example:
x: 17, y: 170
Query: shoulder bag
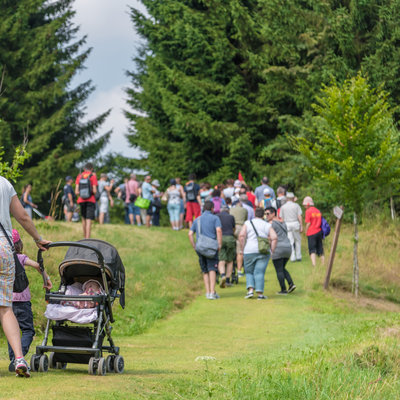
x: 142, y: 203
x: 263, y: 243
x: 205, y: 245
x: 21, y: 281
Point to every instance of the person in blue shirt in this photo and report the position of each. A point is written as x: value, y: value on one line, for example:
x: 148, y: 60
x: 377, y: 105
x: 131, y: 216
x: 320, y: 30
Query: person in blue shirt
x: 210, y: 226
x: 147, y: 193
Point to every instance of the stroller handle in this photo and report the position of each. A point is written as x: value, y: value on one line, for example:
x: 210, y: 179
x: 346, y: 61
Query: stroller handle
x: 66, y: 244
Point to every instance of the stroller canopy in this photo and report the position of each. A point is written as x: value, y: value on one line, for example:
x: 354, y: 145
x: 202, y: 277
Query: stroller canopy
x: 111, y: 257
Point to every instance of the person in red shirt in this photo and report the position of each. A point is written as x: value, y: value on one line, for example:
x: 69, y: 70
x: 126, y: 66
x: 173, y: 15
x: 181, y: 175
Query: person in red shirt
x: 313, y: 230
x: 87, y: 202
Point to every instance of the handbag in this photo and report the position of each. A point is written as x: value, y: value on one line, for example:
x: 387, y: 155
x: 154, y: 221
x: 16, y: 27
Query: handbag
x: 263, y: 243
x: 21, y: 281
x: 157, y: 203
x: 142, y: 203
x: 205, y: 245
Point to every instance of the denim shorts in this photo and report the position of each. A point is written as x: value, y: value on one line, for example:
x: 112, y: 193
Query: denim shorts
x: 132, y: 209
x: 208, y: 264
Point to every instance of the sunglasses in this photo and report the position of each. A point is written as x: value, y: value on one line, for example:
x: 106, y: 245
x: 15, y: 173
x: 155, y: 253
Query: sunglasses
x: 268, y: 213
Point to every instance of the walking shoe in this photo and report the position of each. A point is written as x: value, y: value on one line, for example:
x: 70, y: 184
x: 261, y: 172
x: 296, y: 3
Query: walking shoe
x: 222, y: 284
x: 291, y: 288
x: 283, y: 292
x: 249, y: 295
x: 229, y: 284
x: 213, y: 296
x: 261, y: 297
x: 22, y: 368
x: 11, y: 367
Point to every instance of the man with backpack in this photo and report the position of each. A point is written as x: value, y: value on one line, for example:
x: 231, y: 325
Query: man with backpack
x: 86, y: 188
x: 192, y: 198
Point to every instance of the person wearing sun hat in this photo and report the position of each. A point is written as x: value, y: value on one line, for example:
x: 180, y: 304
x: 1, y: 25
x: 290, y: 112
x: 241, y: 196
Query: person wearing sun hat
x: 313, y: 230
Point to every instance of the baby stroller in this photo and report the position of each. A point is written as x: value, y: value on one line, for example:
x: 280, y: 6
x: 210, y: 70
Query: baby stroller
x: 88, y: 259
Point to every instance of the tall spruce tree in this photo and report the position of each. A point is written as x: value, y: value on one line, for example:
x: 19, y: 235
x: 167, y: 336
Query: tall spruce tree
x: 39, y: 55
x: 194, y: 92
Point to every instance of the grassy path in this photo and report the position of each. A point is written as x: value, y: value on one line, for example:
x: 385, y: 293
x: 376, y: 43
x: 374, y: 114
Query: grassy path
x: 250, y: 340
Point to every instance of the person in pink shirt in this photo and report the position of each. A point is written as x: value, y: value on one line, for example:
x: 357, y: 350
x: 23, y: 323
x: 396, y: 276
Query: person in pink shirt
x: 132, y: 192
x: 21, y: 304
x: 313, y: 230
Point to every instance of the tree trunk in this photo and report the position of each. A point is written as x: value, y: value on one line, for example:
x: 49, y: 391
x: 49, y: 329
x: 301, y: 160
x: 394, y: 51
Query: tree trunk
x: 392, y: 210
x: 355, y: 257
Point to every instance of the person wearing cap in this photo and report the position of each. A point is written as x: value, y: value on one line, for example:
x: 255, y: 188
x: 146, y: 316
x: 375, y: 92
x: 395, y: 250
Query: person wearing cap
x: 69, y: 199
x: 267, y: 201
x: 259, y: 192
x: 10, y: 204
x: 156, y: 204
x: 147, y: 193
x: 313, y: 220
x: 105, y: 199
x: 291, y: 215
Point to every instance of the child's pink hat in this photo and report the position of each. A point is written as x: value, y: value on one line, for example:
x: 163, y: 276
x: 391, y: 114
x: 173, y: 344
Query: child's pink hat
x: 15, y: 236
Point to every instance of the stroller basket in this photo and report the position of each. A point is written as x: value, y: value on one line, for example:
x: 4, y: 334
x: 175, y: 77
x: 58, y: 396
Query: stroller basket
x: 68, y: 336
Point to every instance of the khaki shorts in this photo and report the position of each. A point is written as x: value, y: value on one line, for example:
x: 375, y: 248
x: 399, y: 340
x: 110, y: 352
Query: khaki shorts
x: 228, y: 249
x: 238, y: 228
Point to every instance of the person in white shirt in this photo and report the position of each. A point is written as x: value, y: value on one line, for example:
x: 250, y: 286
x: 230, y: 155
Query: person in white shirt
x: 291, y: 214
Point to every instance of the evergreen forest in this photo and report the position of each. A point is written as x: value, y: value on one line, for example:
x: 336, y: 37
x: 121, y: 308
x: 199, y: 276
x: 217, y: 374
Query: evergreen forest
x: 217, y: 86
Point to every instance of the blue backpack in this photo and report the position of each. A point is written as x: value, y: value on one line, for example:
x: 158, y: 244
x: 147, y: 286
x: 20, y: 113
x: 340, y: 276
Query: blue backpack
x: 326, y: 229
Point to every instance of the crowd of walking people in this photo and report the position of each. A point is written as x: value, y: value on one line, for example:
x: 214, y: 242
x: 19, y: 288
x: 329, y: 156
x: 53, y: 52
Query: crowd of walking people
x: 233, y: 229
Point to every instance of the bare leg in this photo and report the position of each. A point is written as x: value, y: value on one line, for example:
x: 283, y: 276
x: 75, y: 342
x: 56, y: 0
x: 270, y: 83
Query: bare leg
x: 229, y: 268
x: 84, y: 227
x: 11, y: 330
x: 213, y: 278
x: 221, y: 267
x: 88, y: 228
x: 101, y: 218
x: 239, y: 260
x: 131, y: 219
x: 69, y: 216
x: 206, y: 279
x: 148, y: 219
x: 323, y: 260
x: 313, y: 259
x: 138, y: 220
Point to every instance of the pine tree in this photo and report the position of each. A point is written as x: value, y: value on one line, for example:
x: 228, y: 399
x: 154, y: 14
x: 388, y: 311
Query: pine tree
x: 195, y: 89
x: 39, y: 55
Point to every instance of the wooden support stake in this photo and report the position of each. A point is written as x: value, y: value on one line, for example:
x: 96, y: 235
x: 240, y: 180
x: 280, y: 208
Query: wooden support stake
x: 338, y: 211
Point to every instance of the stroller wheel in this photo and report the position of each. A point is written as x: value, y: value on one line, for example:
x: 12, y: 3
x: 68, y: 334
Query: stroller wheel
x: 34, y: 363
x: 43, y: 363
x: 92, y: 366
x: 119, y: 364
x: 110, y: 363
x: 101, y: 366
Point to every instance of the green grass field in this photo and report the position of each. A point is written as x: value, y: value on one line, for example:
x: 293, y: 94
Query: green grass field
x: 178, y: 345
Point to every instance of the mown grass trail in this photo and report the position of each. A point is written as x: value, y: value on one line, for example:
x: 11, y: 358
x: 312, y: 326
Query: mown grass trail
x: 308, y: 345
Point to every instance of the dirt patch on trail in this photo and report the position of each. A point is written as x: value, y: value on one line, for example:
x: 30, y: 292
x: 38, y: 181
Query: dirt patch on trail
x: 366, y: 302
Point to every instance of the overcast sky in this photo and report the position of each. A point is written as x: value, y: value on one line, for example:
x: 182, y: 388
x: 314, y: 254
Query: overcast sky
x: 114, y: 43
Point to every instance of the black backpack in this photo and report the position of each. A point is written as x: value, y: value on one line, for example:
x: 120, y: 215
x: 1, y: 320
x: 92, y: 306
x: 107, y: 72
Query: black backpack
x: 190, y: 191
x: 85, y: 187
